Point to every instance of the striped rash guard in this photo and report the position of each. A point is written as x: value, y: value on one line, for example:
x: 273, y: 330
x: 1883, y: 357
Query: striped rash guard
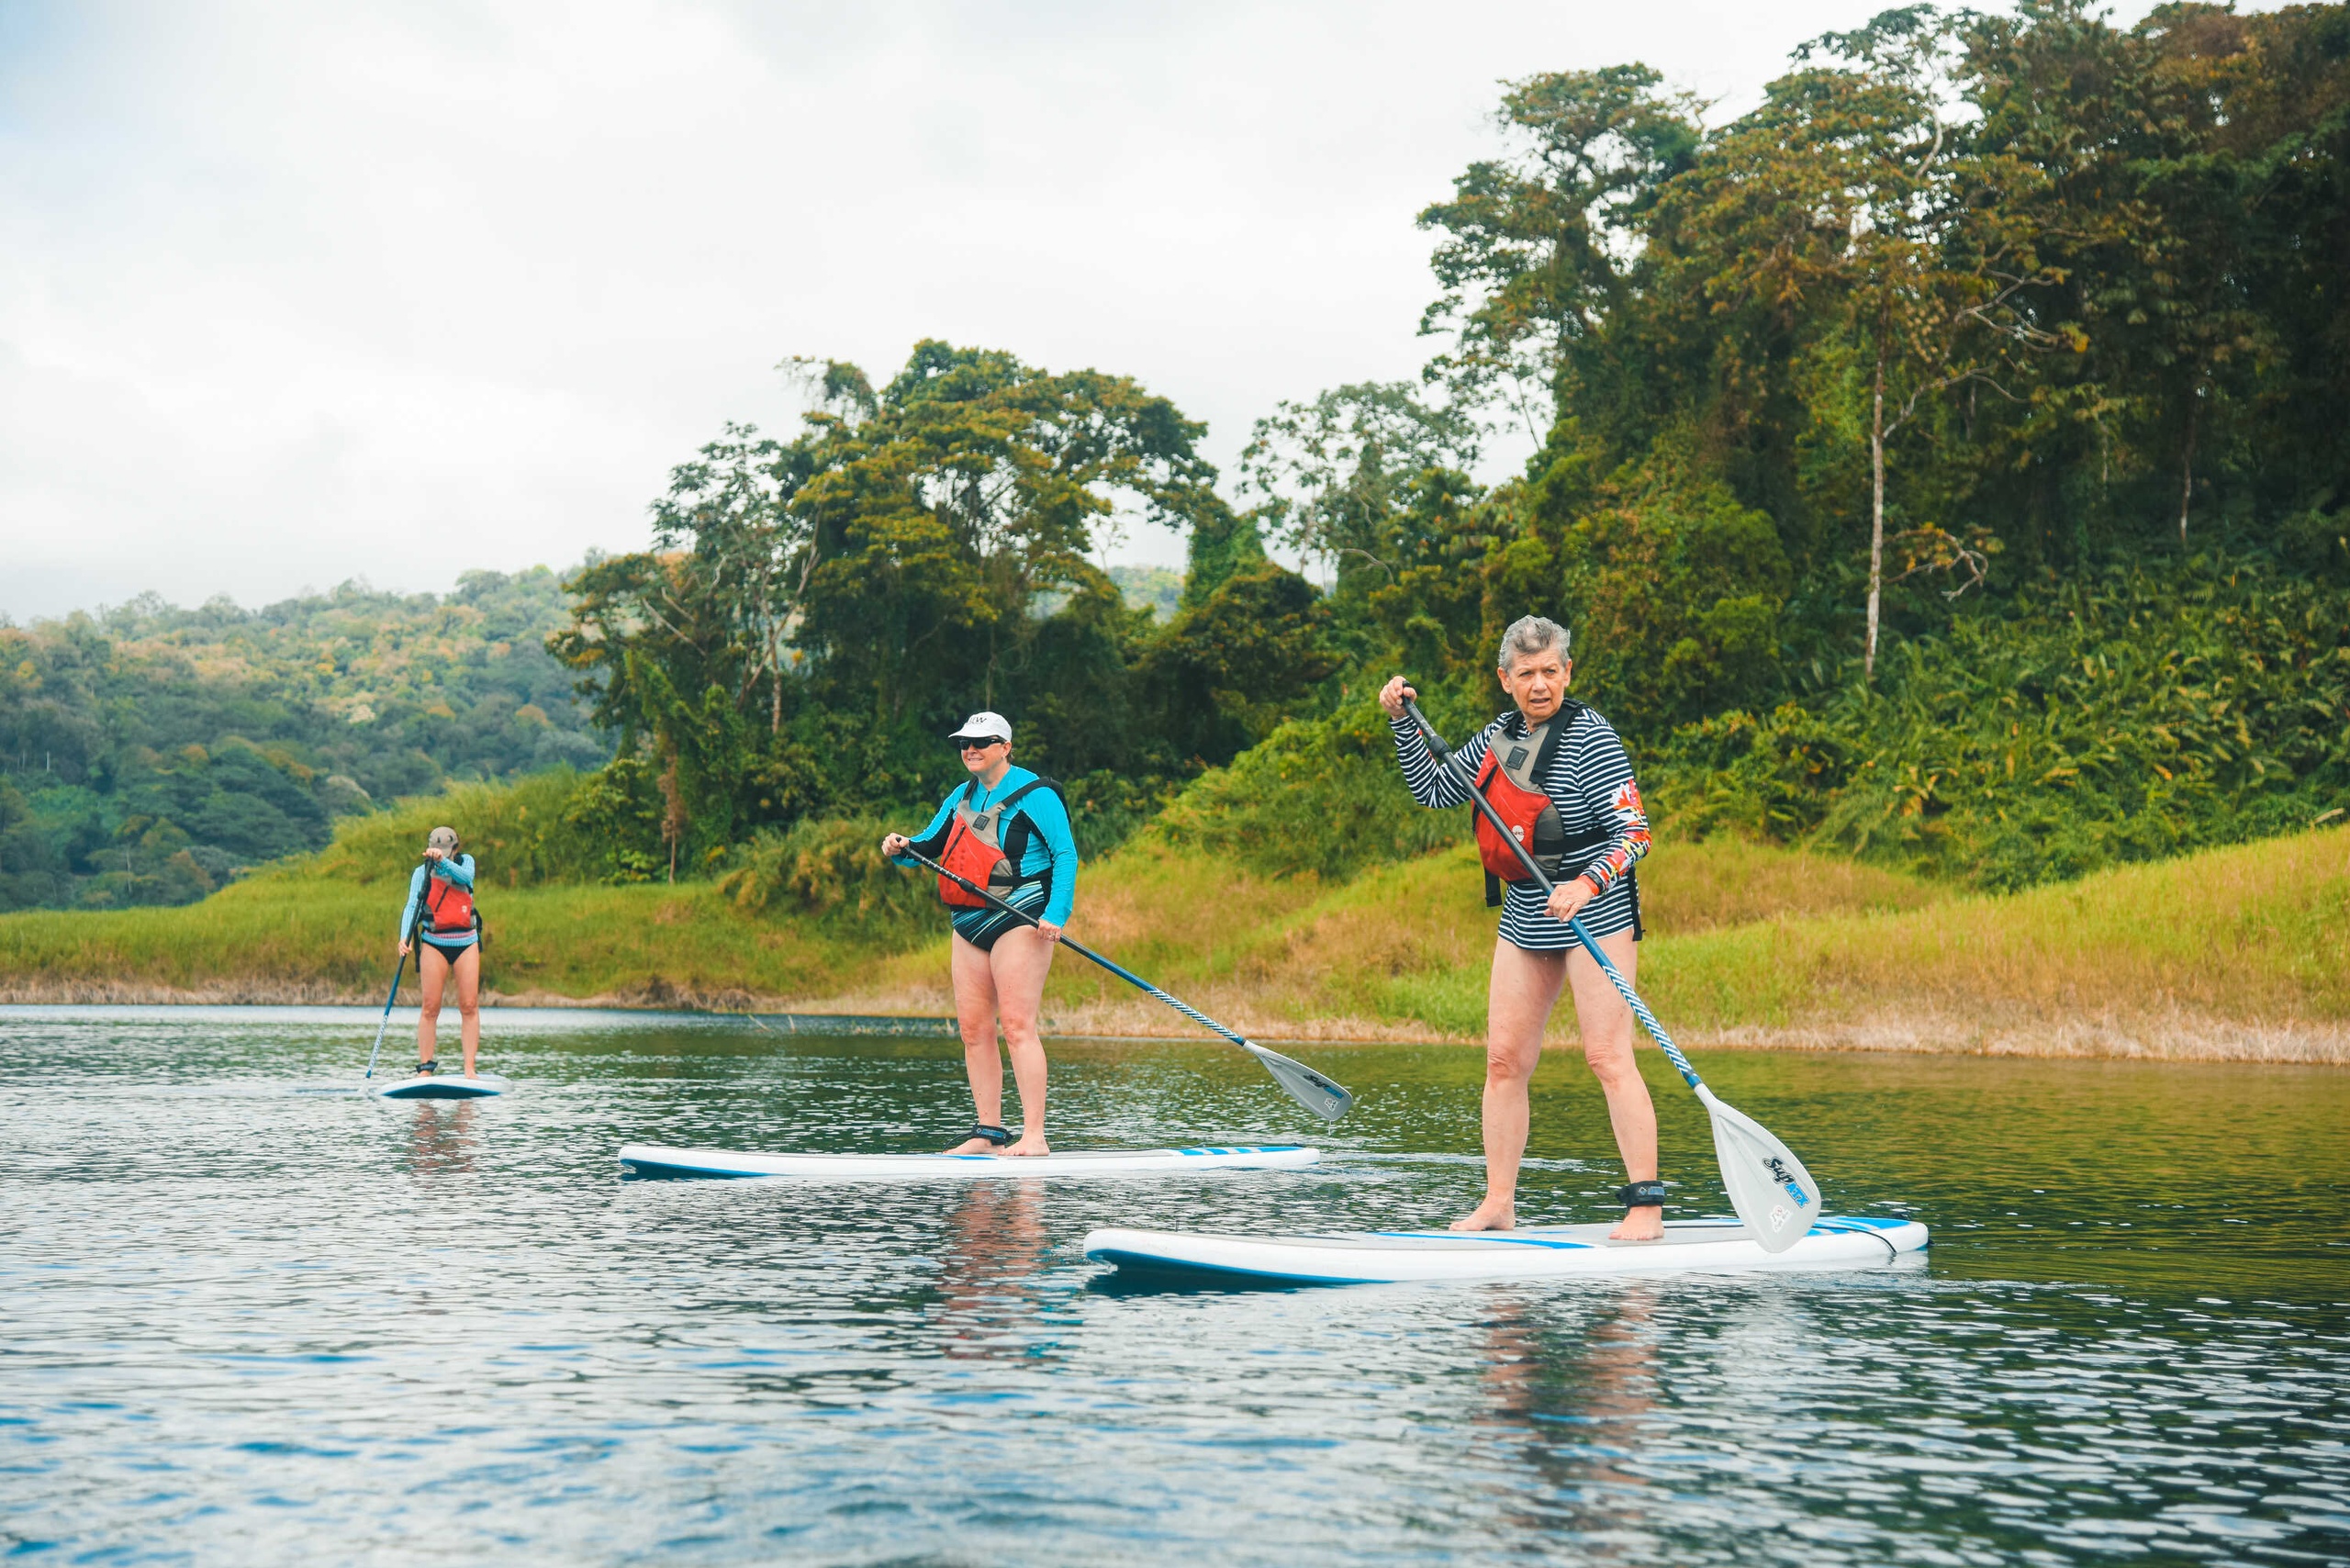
x: 1050, y: 855
x: 1591, y: 783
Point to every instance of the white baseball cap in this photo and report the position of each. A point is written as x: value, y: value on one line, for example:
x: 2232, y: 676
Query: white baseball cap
x: 984, y: 726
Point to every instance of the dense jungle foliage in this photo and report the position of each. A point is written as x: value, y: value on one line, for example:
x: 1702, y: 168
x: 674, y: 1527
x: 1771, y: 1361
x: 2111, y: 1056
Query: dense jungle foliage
x: 1944, y: 462
x: 147, y: 753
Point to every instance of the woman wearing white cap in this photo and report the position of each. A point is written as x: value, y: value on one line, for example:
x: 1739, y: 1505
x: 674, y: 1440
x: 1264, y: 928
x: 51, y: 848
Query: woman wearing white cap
x: 441, y: 911
x: 1008, y: 829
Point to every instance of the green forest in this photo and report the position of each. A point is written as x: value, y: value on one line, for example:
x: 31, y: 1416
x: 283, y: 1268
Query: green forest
x: 1943, y: 462
x: 150, y: 753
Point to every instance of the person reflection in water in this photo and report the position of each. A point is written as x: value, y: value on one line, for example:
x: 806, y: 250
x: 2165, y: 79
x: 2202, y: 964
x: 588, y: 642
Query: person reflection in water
x: 1578, y: 1395
x: 995, y: 1243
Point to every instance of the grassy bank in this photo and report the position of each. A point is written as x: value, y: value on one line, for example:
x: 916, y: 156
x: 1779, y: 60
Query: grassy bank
x: 2241, y: 952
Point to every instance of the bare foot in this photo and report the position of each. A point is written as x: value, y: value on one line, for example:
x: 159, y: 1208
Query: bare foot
x: 973, y: 1146
x: 1640, y: 1225
x: 1033, y: 1143
x: 1494, y: 1214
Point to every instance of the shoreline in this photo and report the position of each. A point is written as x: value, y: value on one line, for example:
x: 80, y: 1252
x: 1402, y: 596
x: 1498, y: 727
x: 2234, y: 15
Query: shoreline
x: 2174, y: 1036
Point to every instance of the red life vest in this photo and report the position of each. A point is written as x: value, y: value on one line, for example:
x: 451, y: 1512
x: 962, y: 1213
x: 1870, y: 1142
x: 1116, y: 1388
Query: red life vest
x: 981, y: 848
x: 1511, y: 777
x: 451, y: 911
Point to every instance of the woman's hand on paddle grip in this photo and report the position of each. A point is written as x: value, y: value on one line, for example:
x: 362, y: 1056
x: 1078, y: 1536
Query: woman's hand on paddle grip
x: 1394, y: 694
x: 1048, y: 931
x: 895, y: 844
x: 405, y: 945
x: 1568, y: 898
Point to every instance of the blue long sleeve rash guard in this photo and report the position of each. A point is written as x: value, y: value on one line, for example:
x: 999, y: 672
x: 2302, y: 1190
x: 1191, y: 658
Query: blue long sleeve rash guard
x: 460, y: 872
x: 1053, y: 844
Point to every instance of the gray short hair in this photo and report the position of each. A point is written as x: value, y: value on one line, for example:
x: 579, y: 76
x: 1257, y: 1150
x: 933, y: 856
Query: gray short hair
x: 1532, y: 634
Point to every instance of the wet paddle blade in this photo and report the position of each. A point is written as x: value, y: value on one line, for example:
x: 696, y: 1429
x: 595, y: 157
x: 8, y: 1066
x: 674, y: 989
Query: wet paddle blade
x: 1321, y: 1095
x: 1768, y: 1185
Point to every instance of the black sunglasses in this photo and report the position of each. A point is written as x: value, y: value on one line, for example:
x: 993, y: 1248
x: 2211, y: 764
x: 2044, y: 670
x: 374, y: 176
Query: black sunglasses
x: 964, y: 743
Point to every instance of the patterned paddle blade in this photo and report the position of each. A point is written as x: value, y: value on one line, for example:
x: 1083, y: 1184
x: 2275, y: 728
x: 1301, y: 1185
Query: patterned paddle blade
x: 1321, y: 1095
x: 1768, y: 1185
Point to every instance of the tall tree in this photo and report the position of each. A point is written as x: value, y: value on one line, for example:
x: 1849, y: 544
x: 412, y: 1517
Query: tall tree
x: 1847, y: 207
x: 1539, y: 251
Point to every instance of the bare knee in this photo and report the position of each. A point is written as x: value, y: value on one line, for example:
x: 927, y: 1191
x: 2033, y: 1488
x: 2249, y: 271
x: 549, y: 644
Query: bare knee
x: 1611, y: 1062
x: 1508, y: 1065
x: 469, y: 1010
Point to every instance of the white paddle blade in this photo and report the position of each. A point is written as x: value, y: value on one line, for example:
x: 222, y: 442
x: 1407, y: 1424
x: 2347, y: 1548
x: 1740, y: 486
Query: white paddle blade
x: 1321, y: 1095
x: 1768, y: 1185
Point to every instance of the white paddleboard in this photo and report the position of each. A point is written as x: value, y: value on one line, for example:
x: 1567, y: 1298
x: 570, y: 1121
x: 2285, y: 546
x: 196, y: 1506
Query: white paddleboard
x: 443, y: 1086
x: 652, y: 1160
x: 1542, y: 1253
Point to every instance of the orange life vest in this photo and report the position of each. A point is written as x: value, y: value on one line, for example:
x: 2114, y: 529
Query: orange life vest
x: 1511, y: 777
x: 451, y: 911
x: 976, y: 843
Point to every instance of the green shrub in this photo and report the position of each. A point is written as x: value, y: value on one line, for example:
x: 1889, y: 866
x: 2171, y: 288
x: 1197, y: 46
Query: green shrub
x: 1321, y: 797
x: 833, y: 869
x: 520, y: 834
x: 2145, y: 713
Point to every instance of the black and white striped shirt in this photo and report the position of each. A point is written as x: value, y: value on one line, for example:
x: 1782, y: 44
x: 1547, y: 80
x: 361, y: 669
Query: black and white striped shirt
x: 1591, y: 783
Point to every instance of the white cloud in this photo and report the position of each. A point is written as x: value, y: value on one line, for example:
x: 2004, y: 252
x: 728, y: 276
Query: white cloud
x: 293, y: 294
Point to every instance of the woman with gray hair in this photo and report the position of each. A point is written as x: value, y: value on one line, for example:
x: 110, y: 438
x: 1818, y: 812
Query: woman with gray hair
x: 1555, y: 768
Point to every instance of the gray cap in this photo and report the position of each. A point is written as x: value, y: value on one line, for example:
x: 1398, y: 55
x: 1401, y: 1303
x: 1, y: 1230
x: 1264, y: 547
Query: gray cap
x: 443, y: 839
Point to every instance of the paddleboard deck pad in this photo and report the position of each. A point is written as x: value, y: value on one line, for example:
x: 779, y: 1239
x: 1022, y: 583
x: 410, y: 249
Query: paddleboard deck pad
x: 652, y: 1160
x: 443, y: 1086
x: 1539, y: 1253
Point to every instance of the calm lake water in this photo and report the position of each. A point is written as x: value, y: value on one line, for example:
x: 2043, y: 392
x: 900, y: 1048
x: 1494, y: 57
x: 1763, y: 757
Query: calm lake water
x: 241, y: 1323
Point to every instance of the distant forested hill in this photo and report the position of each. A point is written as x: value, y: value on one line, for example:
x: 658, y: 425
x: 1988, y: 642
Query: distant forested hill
x: 149, y: 752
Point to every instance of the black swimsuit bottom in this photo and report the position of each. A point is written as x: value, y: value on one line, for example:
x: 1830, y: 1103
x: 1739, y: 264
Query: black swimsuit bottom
x: 451, y: 953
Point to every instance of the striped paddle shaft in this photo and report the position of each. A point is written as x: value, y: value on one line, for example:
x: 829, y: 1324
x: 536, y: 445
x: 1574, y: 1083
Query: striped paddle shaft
x: 1639, y: 1009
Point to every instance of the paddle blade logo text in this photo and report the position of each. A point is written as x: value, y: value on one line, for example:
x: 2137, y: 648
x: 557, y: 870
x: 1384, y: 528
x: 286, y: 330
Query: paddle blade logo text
x: 1778, y: 1169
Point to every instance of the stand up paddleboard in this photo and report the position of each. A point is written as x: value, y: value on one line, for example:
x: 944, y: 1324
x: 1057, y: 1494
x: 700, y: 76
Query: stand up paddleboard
x: 1545, y: 1252
x: 444, y: 1086
x: 652, y: 1160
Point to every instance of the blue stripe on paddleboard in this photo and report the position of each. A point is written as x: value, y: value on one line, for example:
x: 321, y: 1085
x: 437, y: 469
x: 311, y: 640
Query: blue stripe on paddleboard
x: 1245, y: 1148
x: 1154, y: 1263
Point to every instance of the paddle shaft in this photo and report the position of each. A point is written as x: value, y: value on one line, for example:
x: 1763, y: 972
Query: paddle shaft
x: 1444, y: 759
x: 1083, y: 951
x: 398, y: 970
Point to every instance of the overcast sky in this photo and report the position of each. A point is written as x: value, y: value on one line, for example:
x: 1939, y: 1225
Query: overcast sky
x: 296, y: 293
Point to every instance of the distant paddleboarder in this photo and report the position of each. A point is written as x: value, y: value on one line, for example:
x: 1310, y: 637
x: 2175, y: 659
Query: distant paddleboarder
x: 441, y: 912
x: 1005, y: 829
x: 1556, y: 773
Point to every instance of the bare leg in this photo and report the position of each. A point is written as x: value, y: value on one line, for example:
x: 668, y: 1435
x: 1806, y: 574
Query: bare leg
x: 1517, y: 1003
x: 975, y: 1008
x: 1607, y: 1046
x: 433, y: 974
x: 468, y: 971
x: 1021, y: 961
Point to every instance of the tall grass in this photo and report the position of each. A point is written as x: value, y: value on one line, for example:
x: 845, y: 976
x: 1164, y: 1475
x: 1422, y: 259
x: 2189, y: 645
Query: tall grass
x: 1743, y: 938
